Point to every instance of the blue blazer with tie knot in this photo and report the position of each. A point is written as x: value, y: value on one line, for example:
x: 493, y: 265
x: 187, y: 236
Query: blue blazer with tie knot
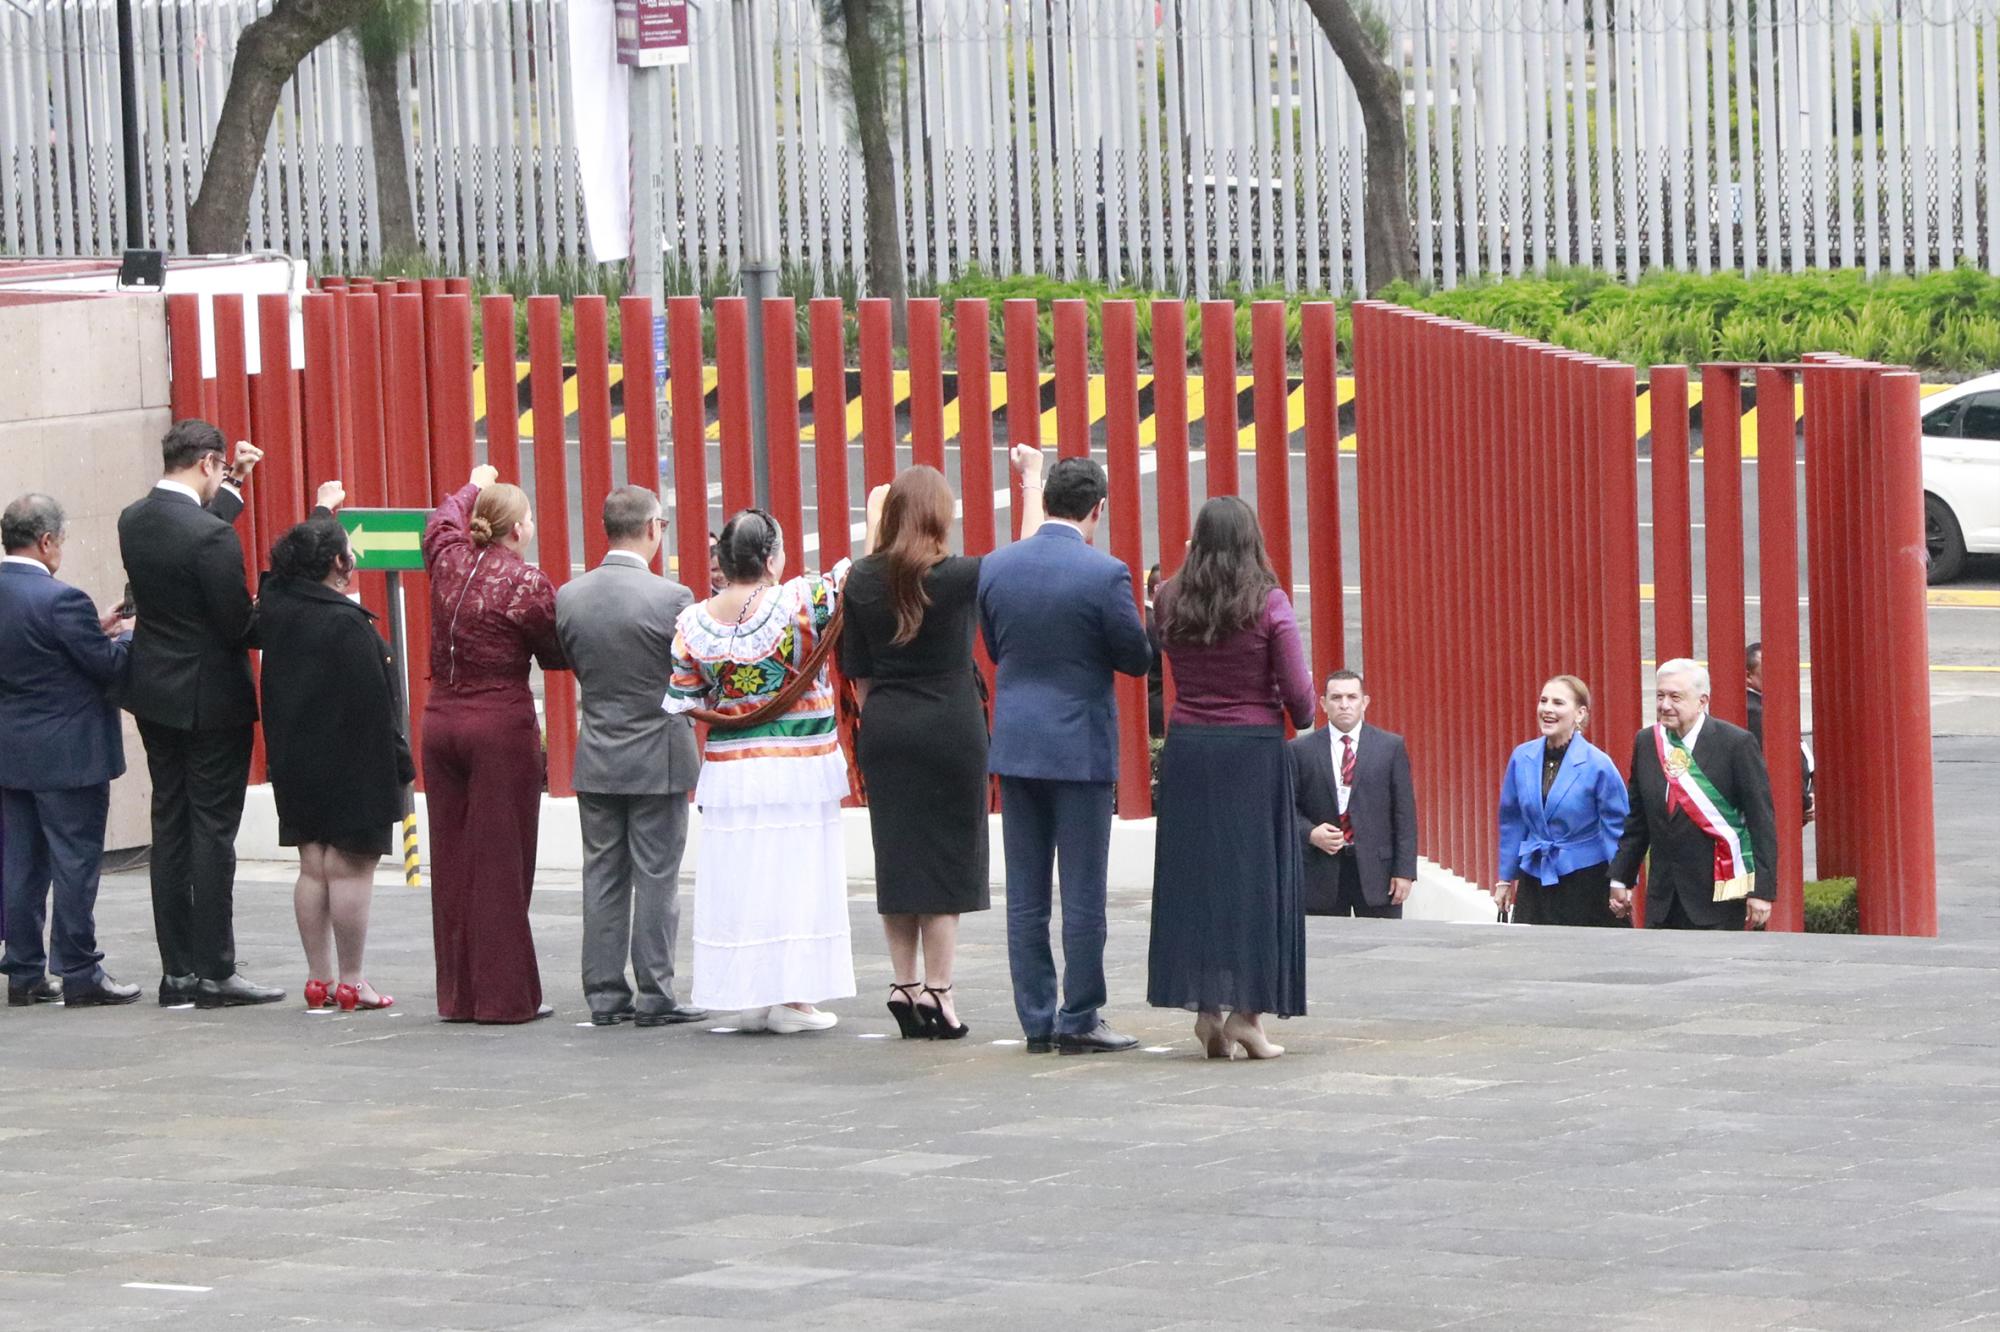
x: 1576, y: 827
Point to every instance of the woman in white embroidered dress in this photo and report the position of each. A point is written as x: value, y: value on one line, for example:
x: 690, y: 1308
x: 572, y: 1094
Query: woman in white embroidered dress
x: 770, y: 912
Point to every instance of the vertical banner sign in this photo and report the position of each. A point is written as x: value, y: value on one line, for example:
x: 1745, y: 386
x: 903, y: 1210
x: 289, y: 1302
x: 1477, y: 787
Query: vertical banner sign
x: 659, y: 352
x: 652, y: 32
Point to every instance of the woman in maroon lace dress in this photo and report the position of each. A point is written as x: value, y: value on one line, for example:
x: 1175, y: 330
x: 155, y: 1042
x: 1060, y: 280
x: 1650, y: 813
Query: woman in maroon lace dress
x: 490, y: 612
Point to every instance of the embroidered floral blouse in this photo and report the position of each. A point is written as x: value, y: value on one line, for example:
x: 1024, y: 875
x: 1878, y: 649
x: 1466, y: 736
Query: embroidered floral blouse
x: 732, y: 668
x: 490, y: 610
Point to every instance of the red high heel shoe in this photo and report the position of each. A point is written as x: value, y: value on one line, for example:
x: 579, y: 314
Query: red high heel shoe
x: 319, y: 994
x: 349, y: 999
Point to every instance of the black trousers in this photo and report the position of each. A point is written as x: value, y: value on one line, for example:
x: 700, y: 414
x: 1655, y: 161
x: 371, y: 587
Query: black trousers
x: 1348, y: 899
x: 199, y: 779
x: 1733, y: 915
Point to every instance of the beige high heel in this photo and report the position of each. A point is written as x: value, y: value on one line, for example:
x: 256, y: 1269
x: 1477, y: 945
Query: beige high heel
x: 1246, y: 1033
x: 1208, y: 1030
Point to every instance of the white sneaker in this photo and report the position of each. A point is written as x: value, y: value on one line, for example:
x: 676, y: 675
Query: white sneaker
x: 751, y: 1019
x: 787, y: 1020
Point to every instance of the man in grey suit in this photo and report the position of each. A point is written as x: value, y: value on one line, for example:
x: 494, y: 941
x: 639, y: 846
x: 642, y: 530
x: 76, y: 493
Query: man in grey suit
x: 635, y: 764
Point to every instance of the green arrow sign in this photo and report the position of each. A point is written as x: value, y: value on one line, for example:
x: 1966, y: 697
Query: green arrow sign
x: 386, y: 539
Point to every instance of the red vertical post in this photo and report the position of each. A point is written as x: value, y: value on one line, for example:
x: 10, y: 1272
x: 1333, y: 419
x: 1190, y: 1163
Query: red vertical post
x: 970, y: 320
x: 184, y: 355
x: 503, y: 397
x: 1218, y: 388
x: 1128, y: 540
x: 732, y: 377
x: 1838, y: 617
x: 926, y: 383
x: 1170, y: 445
x: 279, y: 476
x: 593, y: 417
x: 552, y: 541
x: 642, y: 400
x: 458, y: 286
x: 1623, y: 705
x: 1024, y: 389
x: 781, y: 420
x: 320, y: 410
x: 452, y: 429
x: 1722, y: 508
x: 690, y: 423
x: 369, y: 484
x: 1673, y: 553
x: 1778, y: 588
x: 829, y: 362
x: 975, y: 425
x: 1274, y: 436
x: 1819, y: 386
x: 1321, y: 368
x: 878, y: 394
x: 1912, y: 831
x: 407, y: 408
x: 405, y: 423
x: 231, y: 415
x: 1072, y: 320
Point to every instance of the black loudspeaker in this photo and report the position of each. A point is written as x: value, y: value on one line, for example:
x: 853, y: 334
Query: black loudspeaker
x: 142, y: 270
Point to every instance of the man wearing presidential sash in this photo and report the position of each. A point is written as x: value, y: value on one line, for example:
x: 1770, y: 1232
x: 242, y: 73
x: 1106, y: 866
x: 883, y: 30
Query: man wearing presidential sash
x: 1701, y: 805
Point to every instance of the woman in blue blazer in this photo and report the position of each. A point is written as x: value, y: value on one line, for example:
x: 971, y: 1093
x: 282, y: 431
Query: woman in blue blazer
x: 1562, y: 808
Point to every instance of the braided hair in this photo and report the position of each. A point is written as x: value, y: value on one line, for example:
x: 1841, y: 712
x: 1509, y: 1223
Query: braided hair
x: 747, y: 543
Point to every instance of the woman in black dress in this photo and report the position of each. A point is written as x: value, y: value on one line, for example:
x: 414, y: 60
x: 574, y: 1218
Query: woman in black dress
x: 338, y: 757
x: 907, y: 646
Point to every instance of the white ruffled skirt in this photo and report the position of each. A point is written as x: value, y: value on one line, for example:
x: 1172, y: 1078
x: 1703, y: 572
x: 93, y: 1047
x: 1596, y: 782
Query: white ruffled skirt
x: 770, y: 907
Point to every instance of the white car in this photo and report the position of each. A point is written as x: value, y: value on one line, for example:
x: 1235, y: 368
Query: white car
x: 1962, y: 474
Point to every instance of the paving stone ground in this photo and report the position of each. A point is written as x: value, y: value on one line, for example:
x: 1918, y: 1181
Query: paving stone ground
x: 1476, y: 1128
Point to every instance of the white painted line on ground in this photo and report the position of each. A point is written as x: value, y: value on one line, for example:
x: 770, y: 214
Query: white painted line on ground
x: 162, y: 1285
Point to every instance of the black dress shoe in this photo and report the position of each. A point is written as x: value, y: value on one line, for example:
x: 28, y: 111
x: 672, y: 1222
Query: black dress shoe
x: 1041, y: 1044
x: 671, y: 1017
x: 100, y: 993
x: 612, y: 1018
x: 177, y: 990
x: 1098, y: 1040
x: 235, y: 992
x: 43, y: 991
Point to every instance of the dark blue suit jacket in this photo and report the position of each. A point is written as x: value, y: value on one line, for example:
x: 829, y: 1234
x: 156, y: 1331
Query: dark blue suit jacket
x: 1059, y: 621
x: 1576, y: 827
x: 59, y: 729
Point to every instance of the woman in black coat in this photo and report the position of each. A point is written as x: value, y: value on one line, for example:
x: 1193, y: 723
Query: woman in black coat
x: 337, y: 754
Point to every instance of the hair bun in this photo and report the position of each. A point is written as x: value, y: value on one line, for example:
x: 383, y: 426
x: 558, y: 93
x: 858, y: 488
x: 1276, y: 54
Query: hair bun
x: 482, y: 531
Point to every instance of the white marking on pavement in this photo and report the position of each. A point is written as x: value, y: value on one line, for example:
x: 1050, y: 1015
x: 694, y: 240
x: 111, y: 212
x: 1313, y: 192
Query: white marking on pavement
x: 1159, y: 1049
x: 871, y: 1036
x: 162, y: 1285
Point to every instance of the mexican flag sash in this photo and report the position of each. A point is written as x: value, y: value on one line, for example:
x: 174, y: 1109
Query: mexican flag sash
x: 1690, y: 792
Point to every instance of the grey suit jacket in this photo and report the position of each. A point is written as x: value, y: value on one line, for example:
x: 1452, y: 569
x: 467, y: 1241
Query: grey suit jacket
x: 616, y: 624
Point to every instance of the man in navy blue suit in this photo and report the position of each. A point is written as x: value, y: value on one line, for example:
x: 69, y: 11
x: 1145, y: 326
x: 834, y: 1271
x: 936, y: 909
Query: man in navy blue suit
x: 60, y: 747
x: 1059, y: 621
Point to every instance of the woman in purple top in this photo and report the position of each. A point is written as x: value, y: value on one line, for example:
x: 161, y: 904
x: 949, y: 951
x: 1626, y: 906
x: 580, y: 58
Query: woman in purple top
x: 1228, y: 925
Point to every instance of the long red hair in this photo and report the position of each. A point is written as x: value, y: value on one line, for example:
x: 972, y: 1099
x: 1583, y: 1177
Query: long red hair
x: 915, y: 536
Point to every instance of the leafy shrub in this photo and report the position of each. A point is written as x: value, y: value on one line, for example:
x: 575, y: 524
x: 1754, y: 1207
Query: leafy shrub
x: 1831, y: 907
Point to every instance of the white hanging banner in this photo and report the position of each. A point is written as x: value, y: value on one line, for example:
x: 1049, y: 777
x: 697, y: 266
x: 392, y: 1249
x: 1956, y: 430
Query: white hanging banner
x: 600, y: 91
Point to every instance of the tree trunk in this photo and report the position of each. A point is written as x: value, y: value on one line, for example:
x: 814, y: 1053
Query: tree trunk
x: 392, y: 153
x: 868, y: 75
x: 266, y: 54
x: 1386, y: 191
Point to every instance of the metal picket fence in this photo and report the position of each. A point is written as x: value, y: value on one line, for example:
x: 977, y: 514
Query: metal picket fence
x: 1176, y: 144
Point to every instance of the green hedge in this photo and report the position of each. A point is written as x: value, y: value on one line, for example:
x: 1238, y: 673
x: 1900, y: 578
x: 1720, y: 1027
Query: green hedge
x: 1946, y: 324
x: 1831, y: 907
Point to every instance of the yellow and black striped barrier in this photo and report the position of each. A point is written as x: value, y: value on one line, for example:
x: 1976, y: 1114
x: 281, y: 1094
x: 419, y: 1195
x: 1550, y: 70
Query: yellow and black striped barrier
x: 1046, y: 406
x: 412, y: 873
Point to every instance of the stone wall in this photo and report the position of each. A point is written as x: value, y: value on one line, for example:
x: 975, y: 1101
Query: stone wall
x: 83, y: 403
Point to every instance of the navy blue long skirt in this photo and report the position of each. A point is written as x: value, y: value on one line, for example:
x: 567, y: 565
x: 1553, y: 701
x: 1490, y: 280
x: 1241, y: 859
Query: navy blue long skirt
x: 1228, y: 923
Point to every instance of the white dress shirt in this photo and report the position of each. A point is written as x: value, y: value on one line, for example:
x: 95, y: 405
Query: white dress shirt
x: 189, y: 491
x: 1334, y: 734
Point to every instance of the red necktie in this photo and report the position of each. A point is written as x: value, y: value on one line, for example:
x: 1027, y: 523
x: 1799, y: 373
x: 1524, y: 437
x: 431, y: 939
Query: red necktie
x: 1347, y: 780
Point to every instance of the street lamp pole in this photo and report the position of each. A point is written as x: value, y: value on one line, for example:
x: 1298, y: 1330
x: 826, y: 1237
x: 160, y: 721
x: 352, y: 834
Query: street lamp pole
x: 756, y: 135
x: 128, y: 117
